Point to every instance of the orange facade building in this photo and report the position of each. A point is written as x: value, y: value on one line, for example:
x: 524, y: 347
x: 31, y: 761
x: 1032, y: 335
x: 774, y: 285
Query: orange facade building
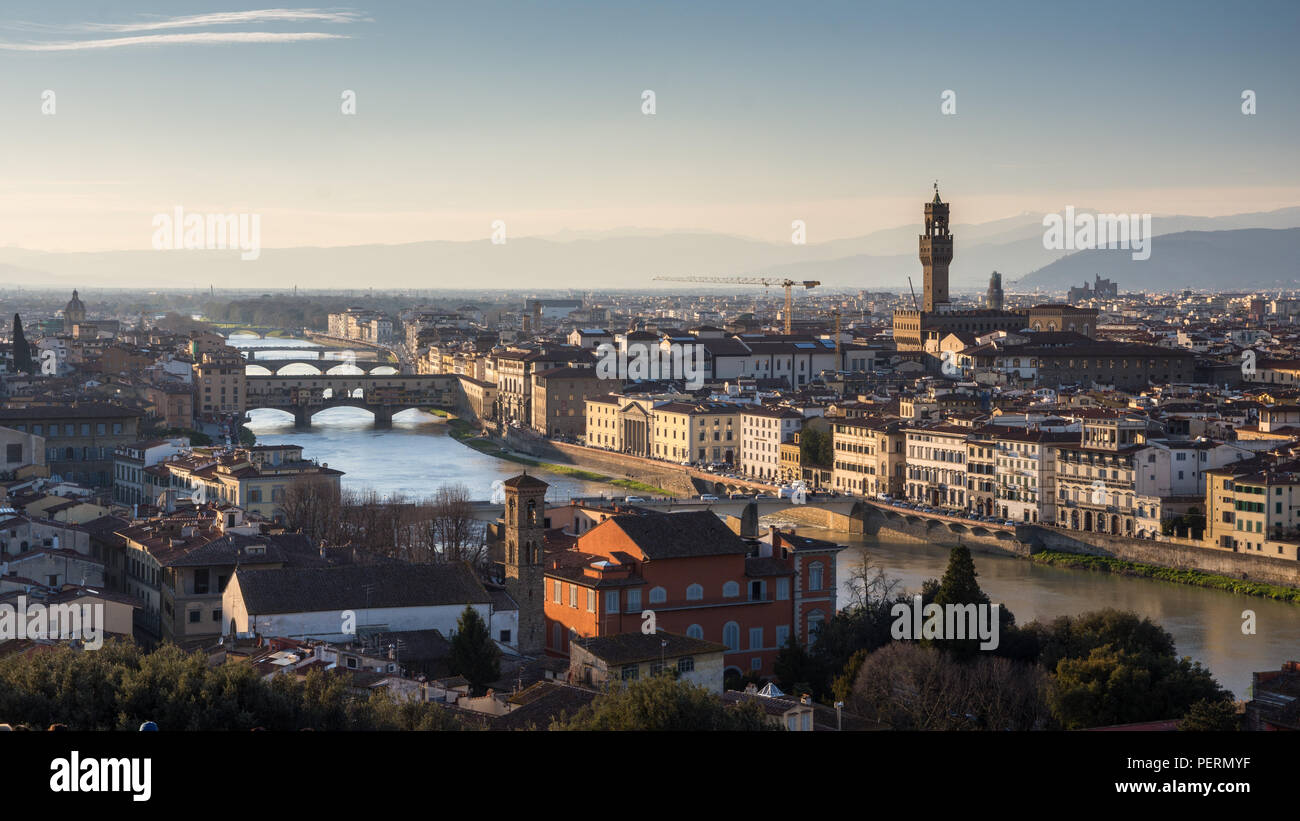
x: 611, y: 571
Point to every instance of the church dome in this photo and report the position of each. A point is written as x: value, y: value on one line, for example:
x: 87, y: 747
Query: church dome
x: 74, y: 305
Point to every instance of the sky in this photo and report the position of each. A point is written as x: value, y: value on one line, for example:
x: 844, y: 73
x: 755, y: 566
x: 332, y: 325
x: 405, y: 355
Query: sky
x: 532, y: 113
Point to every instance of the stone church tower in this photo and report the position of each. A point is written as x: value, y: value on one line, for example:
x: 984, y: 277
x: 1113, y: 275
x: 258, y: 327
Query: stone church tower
x: 523, y: 555
x: 936, y: 253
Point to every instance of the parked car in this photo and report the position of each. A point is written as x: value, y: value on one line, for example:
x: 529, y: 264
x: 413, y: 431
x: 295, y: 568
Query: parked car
x: 634, y: 500
x: 740, y: 495
x: 709, y: 497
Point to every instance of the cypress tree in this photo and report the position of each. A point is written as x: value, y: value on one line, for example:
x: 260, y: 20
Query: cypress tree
x: 959, y: 585
x: 22, y: 351
x: 473, y: 653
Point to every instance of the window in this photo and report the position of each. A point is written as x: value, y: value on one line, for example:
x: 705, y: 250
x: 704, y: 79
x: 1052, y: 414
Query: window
x: 695, y: 631
x: 815, y: 619
x: 755, y: 638
x: 557, y: 594
x: 695, y: 592
x: 631, y: 672
x: 216, y: 614
x: 658, y: 595
x: 591, y: 601
x: 782, y: 589
x: 611, y: 601
x: 573, y: 595
x: 685, y: 664
x: 731, y: 635
x: 633, y: 601
x: 782, y: 634
x: 505, y: 637
x: 815, y: 576
x: 195, y: 615
x: 14, y: 453
x: 730, y: 590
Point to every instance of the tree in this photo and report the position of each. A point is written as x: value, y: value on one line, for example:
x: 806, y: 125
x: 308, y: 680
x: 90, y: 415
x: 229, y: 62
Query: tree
x: 911, y: 687
x: 1112, y: 686
x: 663, y: 703
x: 797, y: 671
x: 313, y: 505
x: 473, y: 653
x: 458, y: 535
x: 22, y: 350
x: 959, y: 585
x: 1211, y: 715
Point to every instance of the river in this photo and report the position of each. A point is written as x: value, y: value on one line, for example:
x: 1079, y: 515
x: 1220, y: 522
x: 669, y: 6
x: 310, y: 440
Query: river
x: 416, y: 455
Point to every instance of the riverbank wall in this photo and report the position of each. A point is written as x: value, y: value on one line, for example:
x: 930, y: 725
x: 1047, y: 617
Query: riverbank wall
x: 673, y: 480
x: 1177, y: 556
x: 894, y: 525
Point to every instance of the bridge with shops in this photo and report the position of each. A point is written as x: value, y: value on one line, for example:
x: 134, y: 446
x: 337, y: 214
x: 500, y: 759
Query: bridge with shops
x: 382, y: 395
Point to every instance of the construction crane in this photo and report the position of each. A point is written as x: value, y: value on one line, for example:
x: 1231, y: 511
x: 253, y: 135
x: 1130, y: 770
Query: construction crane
x: 764, y: 281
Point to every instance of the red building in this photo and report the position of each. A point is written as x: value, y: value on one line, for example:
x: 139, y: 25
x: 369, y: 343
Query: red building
x: 684, y: 573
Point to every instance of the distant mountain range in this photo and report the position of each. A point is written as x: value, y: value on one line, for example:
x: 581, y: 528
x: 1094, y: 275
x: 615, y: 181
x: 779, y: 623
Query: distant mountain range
x: 1242, y: 251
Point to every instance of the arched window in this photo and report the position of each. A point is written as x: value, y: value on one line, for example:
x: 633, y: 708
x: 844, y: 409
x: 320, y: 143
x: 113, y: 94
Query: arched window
x: 658, y: 595
x: 532, y: 512
x: 815, y: 619
x: 731, y: 635
x: 815, y: 576
x: 695, y: 592
x: 730, y: 590
x: 695, y: 631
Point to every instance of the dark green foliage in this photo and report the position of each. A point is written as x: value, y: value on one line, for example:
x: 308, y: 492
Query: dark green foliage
x: 1114, y: 667
x: 119, y: 687
x: 663, y: 703
x: 797, y: 671
x: 1192, y: 577
x: 473, y: 653
x: 1212, y: 716
x: 22, y: 349
x: 816, y: 448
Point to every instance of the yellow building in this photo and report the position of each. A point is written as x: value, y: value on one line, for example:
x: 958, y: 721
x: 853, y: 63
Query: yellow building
x: 696, y: 432
x: 870, y: 457
x: 1255, y: 510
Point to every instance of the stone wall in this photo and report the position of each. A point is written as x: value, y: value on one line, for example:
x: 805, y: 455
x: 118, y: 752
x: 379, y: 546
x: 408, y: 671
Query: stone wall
x: 672, y: 479
x: 1248, y: 566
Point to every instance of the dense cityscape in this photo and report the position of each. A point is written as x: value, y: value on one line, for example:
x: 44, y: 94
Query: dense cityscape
x: 521, y: 371
x: 713, y: 452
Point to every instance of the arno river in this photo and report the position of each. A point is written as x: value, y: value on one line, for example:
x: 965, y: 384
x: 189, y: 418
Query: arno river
x: 416, y: 456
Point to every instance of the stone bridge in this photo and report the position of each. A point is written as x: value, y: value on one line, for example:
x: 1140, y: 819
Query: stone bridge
x: 275, y: 366
x: 383, y: 396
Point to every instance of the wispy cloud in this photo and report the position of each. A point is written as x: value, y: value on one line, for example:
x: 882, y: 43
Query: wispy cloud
x: 231, y: 18
x: 205, y: 38
x: 225, y: 18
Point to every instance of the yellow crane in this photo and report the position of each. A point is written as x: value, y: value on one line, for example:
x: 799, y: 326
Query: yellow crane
x: 764, y: 281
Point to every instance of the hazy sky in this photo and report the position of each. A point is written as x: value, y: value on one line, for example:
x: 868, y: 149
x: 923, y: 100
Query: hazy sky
x: 531, y: 112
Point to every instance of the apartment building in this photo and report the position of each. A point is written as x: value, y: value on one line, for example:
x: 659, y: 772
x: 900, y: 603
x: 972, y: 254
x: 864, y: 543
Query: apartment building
x: 1096, y: 479
x: 1025, y: 476
x: 1255, y: 508
x: 697, y: 432
x: 81, y: 438
x: 700, y: 580
x: 762, y: 430
x: 220, y: 387
x: 870, y: 456
x: 936, y: 465
x: 560, y: 398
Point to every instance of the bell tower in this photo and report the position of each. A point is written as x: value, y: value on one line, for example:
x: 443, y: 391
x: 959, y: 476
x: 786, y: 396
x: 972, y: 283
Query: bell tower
x: 525, y: 534
x: 936, y: 253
